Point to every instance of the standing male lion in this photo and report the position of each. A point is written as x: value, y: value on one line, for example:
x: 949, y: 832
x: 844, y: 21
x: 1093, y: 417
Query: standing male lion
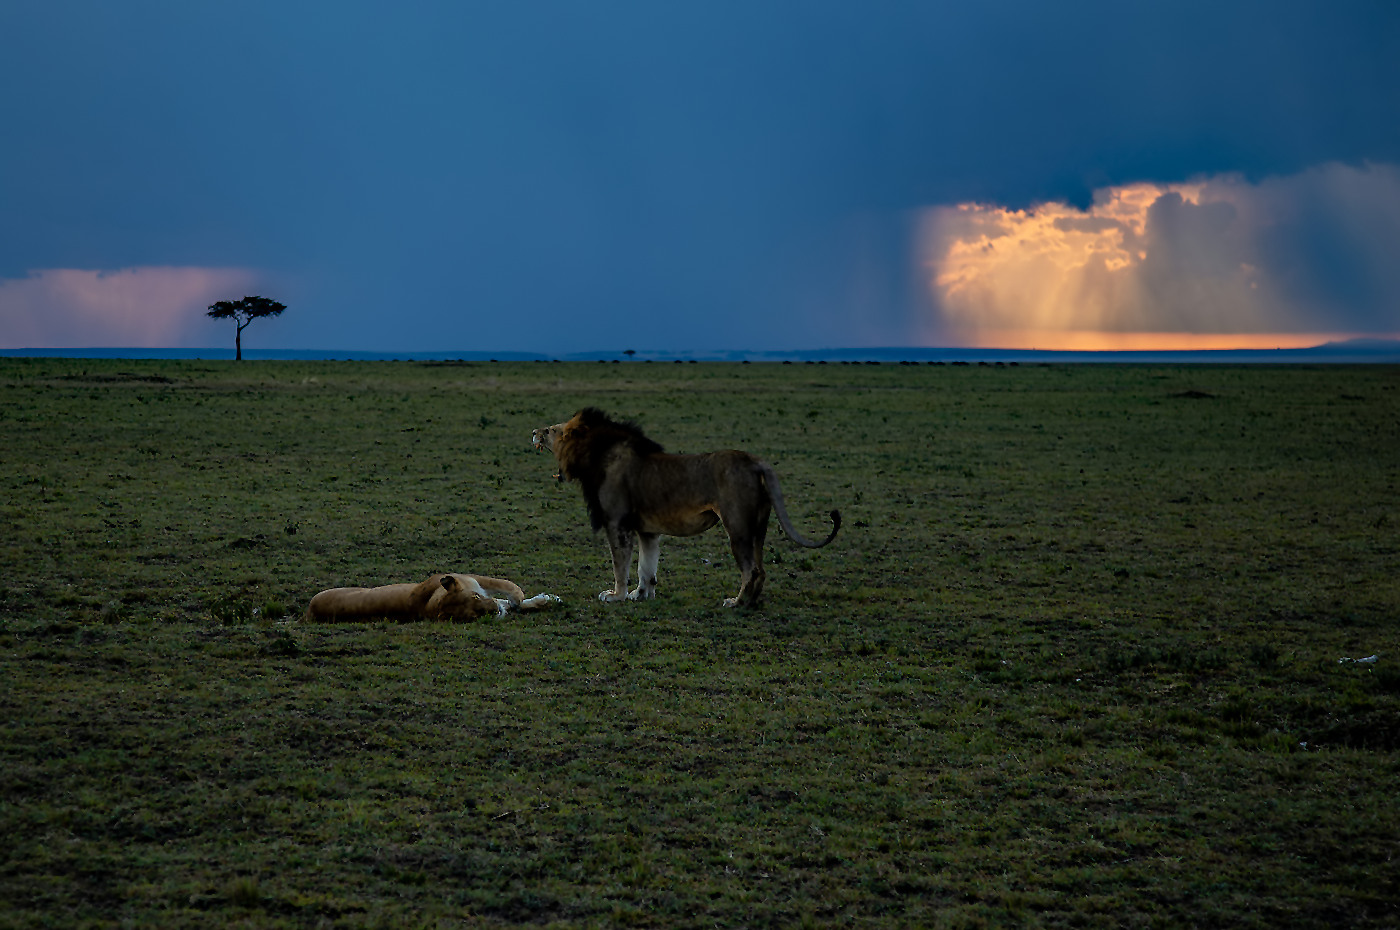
x: 636, y: 491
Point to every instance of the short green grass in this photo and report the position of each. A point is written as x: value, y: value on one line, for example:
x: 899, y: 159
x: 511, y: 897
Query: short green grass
x: 1073, y: 660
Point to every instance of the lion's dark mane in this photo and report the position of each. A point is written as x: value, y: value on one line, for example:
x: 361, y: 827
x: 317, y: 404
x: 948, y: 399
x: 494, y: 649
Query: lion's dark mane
x: 583, y: 455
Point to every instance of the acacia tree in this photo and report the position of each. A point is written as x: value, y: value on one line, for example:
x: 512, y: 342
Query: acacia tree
x: 244, y: 312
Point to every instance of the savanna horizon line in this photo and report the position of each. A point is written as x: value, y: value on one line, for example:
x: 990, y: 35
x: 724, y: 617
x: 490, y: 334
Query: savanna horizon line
x: 1007, y: 345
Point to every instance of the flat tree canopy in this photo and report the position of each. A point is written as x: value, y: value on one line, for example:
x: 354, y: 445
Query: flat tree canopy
x: 244, y: 312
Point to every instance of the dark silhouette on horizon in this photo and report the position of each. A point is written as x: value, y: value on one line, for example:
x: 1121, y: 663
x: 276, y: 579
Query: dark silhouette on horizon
x: 244, y: 312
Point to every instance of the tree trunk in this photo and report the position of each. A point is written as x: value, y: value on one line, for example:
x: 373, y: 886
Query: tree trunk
x: 238, y: 345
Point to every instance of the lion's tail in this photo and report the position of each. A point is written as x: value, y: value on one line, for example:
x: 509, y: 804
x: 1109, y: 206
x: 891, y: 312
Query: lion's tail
x: 775, y: 491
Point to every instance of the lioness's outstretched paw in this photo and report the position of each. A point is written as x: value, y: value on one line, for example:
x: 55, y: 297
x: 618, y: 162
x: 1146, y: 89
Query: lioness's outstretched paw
x: 611, y: 597
x: 539, y: 601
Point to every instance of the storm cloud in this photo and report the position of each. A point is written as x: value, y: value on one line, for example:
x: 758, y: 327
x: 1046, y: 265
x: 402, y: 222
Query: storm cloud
x: 75, y: 308
x: 561, y: 176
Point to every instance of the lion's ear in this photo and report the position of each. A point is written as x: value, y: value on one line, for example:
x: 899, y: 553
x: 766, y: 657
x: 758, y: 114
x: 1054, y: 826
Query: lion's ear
x: 451, y: 583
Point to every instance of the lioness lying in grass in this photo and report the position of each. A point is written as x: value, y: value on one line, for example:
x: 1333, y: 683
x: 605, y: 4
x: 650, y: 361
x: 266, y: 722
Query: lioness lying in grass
x: 452, y: 596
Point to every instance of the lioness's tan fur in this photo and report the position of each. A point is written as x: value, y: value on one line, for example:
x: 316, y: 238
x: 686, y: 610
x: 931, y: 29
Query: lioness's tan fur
x: 637, y: 492
x: 450, y: 596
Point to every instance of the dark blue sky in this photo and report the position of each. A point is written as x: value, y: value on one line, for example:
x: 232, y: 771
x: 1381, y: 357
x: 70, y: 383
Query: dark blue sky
x: 564, y: 176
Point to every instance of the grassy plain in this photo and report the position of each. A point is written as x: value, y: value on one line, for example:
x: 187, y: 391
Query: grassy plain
x: 1072, y: 662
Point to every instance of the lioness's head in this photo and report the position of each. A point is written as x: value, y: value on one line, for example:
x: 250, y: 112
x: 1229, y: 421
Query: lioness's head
x: 461, y: 598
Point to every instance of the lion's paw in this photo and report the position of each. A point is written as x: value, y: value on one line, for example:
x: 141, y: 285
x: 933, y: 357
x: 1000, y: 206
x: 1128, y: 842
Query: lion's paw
x: 642, y: 594
x: 731, y: 602
x: 611, y: 597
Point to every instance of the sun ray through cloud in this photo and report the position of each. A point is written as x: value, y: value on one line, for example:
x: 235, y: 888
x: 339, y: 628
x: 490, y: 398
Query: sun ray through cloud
x: 1219, y: 262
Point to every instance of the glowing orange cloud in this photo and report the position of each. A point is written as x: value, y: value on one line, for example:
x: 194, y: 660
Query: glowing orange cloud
x: 1146, y: 266
x: 1102, y: 341
x: 148, y: 307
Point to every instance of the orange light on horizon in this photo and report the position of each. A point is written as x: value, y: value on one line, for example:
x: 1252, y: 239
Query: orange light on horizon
x: 1095, y: 341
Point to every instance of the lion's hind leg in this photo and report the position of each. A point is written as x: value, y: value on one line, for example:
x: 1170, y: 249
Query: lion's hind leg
x: 500, y: 589
x: 747, y: 545
x: 751, y: 578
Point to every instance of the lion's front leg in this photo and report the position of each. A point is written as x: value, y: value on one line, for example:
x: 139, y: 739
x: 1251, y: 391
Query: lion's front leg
x: 620, y: 542
x: 648, y: 554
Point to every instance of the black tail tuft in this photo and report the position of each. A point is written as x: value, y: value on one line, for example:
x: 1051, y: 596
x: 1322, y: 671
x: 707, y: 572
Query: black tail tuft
x: 835, y: 528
